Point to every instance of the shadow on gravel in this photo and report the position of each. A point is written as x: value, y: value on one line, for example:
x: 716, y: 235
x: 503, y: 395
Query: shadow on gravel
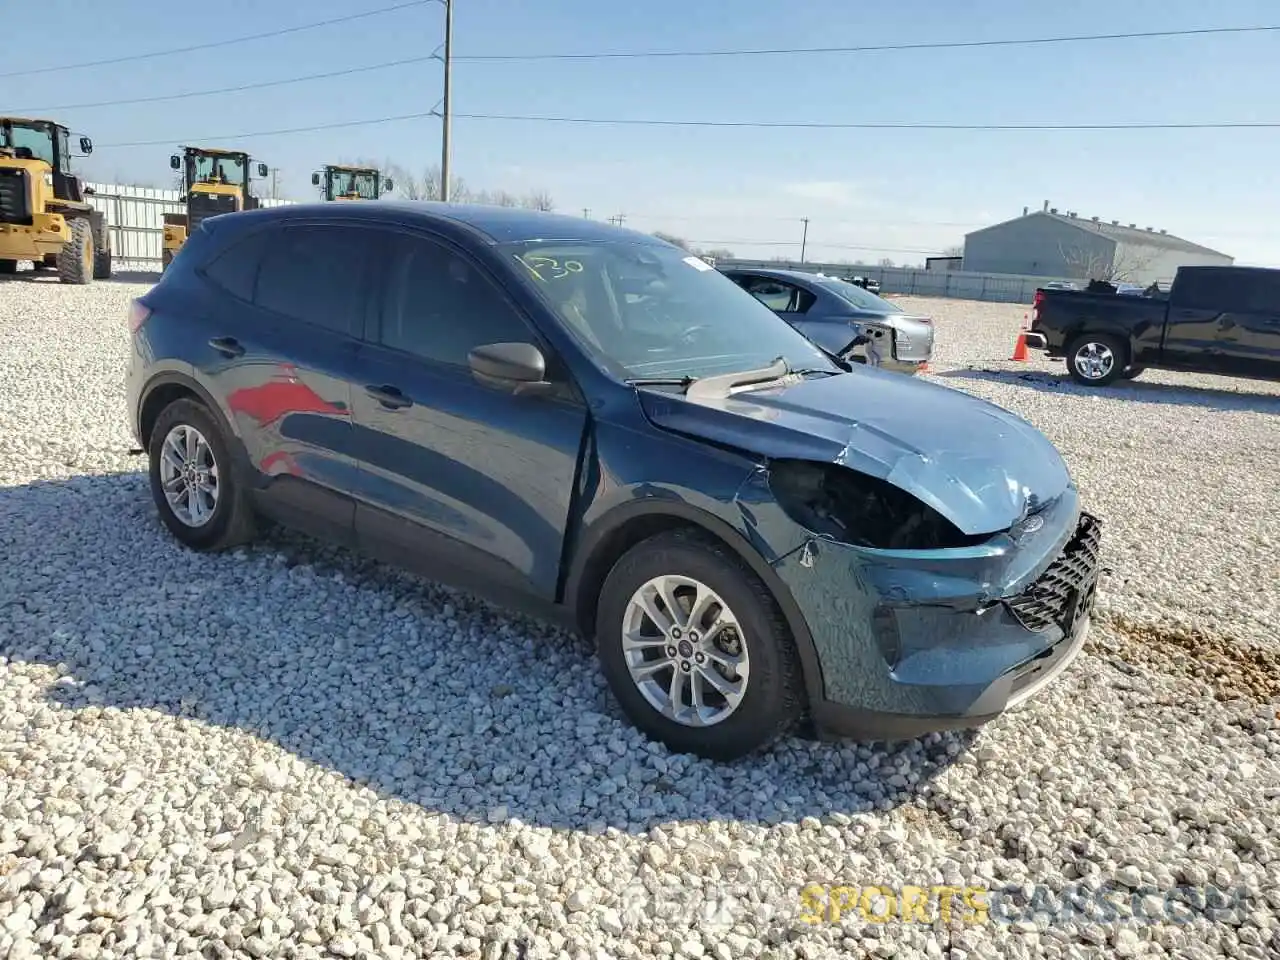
x: 425, y: 695
x: 1178, y: 394
x: 143, y: 277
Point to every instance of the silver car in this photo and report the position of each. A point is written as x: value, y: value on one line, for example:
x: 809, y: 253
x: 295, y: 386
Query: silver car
x: 842, y: 318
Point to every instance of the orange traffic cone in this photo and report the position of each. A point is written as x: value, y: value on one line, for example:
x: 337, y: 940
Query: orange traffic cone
x: 1020, y: 347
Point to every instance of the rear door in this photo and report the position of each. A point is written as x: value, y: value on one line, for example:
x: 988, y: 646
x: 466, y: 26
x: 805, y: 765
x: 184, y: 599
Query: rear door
x: 1224, y: 320
x: 289, y: 336
x: 467, y: 483
x: 1249, y: 330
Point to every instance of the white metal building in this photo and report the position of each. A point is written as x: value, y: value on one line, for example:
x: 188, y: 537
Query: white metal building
x: 1053, y: 244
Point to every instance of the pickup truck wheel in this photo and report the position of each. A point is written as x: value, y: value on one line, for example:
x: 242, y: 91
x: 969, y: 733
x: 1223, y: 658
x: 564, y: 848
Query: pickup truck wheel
x: 695, y: 648
x: 1095, y: 359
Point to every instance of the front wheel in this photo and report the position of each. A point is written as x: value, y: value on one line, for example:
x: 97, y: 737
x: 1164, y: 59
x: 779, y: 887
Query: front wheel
x: 192, y: 481
x: 1095, y: 359
x: 695, y: 648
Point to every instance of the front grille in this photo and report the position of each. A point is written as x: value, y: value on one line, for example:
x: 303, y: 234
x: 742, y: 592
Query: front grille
x: 13, y: 196
x: 1067, y: 586
x: 200, y: 206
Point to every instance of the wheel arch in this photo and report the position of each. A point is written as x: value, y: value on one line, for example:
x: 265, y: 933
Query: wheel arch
x: 602, y: 545
x: 166, y: 388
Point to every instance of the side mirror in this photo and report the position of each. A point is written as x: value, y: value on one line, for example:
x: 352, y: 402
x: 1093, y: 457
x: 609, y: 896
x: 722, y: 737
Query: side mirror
x: 388, y: 184
x: 175, y: 162
x: 262, y: 170
x: 315, y: 179
x: 517, y: 367
x: 86, y: 146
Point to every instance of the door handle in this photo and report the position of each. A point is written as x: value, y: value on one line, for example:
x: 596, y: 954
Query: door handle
x: 227, y: 346
x: 389, y: 396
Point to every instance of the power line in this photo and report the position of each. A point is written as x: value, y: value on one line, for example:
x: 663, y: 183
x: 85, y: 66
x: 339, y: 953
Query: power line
x: 237, y: 89
x: 220, y: 43
x: 888, y: 125
x: 744, y: 124
x: 867, y: 48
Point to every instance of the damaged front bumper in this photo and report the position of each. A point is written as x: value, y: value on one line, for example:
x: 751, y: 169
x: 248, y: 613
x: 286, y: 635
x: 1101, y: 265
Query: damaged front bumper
x: 911, y: 642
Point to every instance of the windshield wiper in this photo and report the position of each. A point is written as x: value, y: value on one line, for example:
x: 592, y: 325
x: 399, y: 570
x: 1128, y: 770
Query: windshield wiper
x: 682, y: 382
x: 723, y: 385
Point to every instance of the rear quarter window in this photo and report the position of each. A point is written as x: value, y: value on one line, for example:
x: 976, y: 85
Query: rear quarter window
x: 235, y: 270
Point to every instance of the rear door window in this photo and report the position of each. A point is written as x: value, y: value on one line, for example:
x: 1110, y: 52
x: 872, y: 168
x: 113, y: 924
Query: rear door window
x: 1217, y: 289
x: 316, y: 274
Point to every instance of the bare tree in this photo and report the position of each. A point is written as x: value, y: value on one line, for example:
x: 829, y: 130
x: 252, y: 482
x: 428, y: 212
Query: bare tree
x: 718, y: 254
x: 954, y: 251
x: 672, y: 239
x: 426, y: 186
x: 886, y: 262
x: 539, y: 200
x: 1122, y: 265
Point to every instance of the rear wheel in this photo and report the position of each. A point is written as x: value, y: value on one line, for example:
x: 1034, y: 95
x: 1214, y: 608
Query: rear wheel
x: 8, y: 266
x: 75, y: 260
x: 1096, y: 359
x: 102, y: 258
x: 695, y: 648
x: 192, y: 480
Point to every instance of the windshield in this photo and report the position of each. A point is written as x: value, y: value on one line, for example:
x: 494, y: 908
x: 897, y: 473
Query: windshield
x: 220, y: 169
x: 650, y: 311
x: 26, y: 137
x: 344, y: 183
x: 853, y: 294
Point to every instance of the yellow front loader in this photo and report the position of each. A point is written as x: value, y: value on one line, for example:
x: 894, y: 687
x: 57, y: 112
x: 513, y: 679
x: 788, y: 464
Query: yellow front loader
x: 44, y: 216
x: 215, y: 182
x: 337, y: 182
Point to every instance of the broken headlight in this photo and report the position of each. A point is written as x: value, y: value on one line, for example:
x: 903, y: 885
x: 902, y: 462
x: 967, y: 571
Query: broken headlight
x: 854, y: 508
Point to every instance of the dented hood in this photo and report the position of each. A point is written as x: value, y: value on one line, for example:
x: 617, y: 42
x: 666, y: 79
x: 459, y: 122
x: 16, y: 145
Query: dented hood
x: 978, y: 465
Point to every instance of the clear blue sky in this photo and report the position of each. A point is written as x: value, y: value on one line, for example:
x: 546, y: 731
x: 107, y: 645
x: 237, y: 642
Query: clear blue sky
x: 892, y: 192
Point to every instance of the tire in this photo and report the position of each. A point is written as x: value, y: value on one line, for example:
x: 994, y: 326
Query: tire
x: 75, y: 259
x: 1109, y: 352
x: 102, y: 259
x: 1132, y: 373
x: 770, y: 705
x: 8, y: 266
x: 231, y: 521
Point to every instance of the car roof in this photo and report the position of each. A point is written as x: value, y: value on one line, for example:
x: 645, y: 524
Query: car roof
x: 779, y: 274
x: 493, y: 223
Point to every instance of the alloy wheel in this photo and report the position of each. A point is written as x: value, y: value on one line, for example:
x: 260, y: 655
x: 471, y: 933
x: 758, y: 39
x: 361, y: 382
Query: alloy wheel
x: 685, y: 651
x: 189, y: 475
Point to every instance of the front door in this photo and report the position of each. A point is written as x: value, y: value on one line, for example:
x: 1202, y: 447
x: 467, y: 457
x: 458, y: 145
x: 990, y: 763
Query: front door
x: 468, y: 483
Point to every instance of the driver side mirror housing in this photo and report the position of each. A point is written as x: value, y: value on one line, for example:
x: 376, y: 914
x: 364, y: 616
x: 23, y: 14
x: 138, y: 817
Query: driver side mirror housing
x: 175, y: 162
x: 262, y: 170
x: 315, y: 179
x: 86, y: 146
x: 518, y: 368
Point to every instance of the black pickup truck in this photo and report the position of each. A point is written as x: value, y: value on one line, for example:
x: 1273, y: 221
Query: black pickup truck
x: 1223, y: 320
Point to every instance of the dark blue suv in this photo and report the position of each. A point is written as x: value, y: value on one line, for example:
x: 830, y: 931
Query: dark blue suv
x: 589, y: 424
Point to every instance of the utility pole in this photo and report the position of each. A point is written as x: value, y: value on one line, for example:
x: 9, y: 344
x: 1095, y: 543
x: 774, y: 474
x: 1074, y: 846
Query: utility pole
x: 804, y: 237
x: 620, y: 219
x: 447, y: 103
x: 275, y: 172
x: 586, y: 214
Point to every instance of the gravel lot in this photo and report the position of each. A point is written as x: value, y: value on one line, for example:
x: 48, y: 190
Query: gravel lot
x: 285, y: 752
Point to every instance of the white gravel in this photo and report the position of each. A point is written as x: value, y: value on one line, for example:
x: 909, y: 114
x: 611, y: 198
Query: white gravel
x: 293, y: 752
